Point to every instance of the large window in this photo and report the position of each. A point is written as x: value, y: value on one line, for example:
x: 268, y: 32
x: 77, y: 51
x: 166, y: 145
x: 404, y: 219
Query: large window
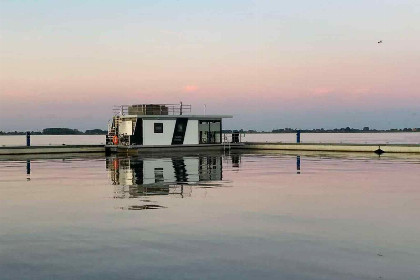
x: 158, y: 127
x: 210, y: 131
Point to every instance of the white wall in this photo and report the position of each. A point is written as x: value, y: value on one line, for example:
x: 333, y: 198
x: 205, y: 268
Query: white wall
x: 165, y: 138
x: 191, y: 135
x: 152, y: 138
x: 126, y: 127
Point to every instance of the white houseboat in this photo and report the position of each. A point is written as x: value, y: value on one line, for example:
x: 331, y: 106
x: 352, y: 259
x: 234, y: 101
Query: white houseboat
x: 162, y: 125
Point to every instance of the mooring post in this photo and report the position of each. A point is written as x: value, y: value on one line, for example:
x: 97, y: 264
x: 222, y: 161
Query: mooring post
x: 298, y: 136
x: 28, y: 138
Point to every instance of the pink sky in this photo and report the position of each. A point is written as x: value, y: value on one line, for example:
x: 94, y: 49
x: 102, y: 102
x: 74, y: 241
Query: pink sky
x: 270, y: 65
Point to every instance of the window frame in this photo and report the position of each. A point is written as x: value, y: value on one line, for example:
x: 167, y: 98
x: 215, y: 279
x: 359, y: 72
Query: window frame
x: 157, y: 128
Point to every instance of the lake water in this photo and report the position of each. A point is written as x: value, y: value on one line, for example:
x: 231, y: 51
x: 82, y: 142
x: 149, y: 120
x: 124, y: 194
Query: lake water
x: 264, y: 215
x: 360, y: 138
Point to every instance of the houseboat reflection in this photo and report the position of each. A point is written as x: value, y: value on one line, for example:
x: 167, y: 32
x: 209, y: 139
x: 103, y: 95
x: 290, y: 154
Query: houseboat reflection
x: 137, y: 177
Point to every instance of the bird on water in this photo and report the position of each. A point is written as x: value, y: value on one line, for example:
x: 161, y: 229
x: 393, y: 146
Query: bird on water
x: 380, y: 42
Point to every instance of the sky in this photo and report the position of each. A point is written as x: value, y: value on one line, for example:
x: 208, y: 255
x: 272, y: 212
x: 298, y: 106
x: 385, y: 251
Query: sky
x: 271, y: 64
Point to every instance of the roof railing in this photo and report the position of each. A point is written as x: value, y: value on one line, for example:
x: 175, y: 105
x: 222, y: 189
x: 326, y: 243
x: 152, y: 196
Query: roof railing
x: 152, y: 109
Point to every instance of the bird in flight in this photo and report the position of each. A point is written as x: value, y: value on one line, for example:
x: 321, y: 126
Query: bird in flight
x: 380, y: 42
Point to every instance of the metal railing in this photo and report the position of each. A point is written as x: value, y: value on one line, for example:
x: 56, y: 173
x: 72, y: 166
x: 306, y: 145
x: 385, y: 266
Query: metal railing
x: 229, y: 138
x: 152, y: 109
x: 226, y: 142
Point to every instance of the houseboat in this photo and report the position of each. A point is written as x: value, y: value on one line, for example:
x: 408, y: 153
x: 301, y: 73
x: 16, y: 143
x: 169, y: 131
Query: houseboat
x: 151, y: 126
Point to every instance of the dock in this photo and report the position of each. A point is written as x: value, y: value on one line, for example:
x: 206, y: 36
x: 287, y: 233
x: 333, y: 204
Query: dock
x: 132, y: 150
x: 332, y: 147
x: 58, y: 149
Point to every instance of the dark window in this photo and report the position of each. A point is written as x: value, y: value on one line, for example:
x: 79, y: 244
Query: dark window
x: 158, y: 127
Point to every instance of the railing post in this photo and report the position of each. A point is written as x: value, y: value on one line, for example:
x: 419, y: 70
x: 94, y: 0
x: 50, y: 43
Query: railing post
x: 28, y: 138
x: 298, y: 136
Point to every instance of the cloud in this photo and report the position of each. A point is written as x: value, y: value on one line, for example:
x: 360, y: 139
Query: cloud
x: 190, y: 88
x: 320, y: 91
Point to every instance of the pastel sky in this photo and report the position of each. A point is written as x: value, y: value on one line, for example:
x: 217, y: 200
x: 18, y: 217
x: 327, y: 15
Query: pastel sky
x: 271, y: 64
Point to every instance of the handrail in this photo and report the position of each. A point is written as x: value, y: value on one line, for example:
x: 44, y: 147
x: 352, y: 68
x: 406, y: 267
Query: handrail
x: 154, y: 109
x: 228, y: 137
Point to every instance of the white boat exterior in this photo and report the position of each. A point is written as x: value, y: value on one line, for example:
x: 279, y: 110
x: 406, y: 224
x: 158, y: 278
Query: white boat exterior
x: 158, y: 127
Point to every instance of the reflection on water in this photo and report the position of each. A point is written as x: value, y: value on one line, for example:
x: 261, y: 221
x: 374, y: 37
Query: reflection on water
x: 137, y: 176
x: 143, y: 207
x: 263, y: 215
x: 236, y: 160
x: 28, y: 169
x: 298, y: 164
x: 176, y: 176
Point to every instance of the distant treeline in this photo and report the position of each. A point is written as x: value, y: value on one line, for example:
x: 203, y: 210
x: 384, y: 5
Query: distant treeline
x: 58, y: 131
x: 322, y: 130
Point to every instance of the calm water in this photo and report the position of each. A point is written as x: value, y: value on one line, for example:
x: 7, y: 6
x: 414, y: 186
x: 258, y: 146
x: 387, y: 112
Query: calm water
x: 211, y: 216
x: 361, y: 138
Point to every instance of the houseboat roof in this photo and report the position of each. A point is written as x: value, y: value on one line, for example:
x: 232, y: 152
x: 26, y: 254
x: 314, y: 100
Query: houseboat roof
x: 192, y: 117
x: 161, y: 111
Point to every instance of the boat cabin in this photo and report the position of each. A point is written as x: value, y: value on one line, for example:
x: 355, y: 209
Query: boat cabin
x: 163, y: 124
